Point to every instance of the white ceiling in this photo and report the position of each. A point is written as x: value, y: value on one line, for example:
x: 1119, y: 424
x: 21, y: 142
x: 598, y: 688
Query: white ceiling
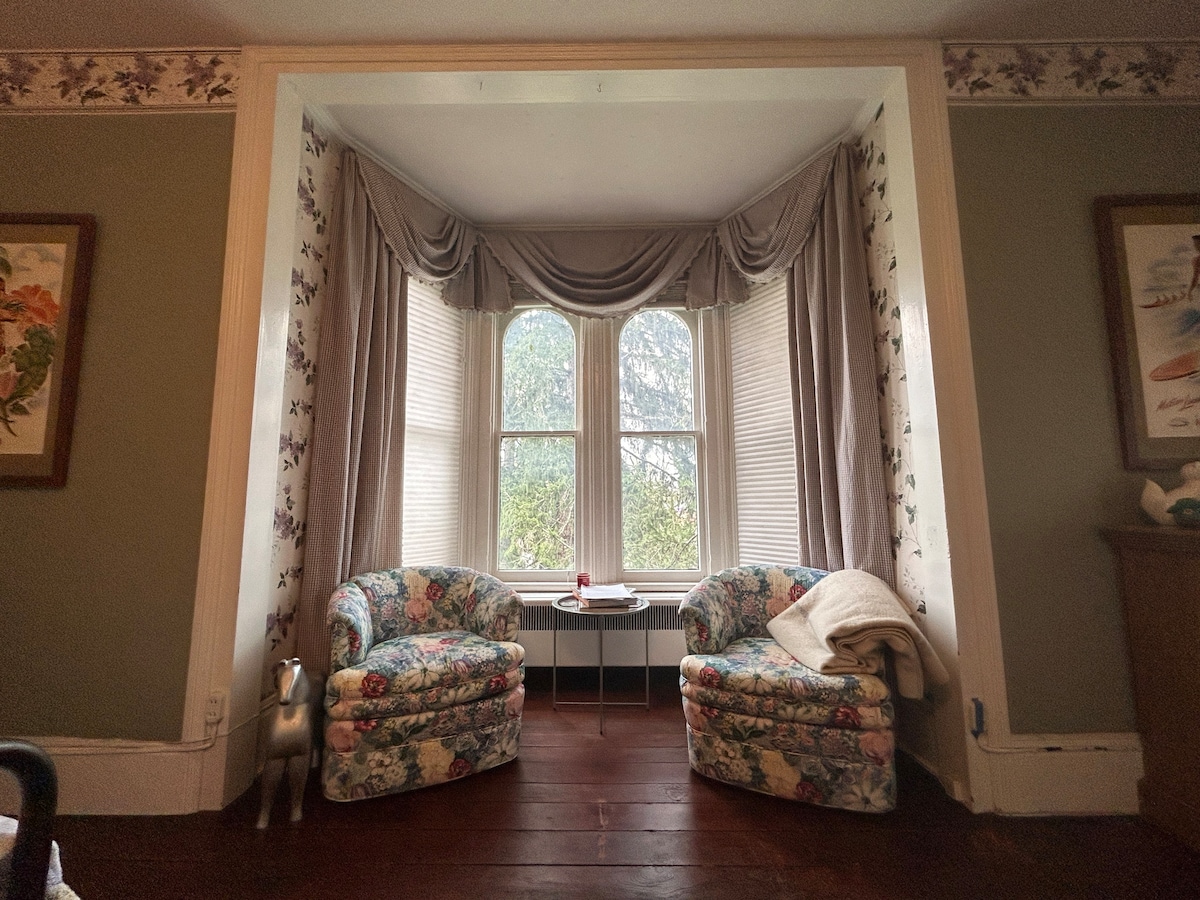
x: 51, y: 24
x: 579, y: 148
x: 598, y: 148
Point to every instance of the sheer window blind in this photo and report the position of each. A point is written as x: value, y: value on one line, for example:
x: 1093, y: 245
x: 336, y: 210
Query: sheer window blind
x: 764, y: 446
x: 433, y: 429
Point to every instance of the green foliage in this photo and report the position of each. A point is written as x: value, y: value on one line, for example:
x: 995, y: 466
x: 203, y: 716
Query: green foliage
x: 656, y: 373
x: 537, y: 503
x: 659, y: 506
x: 658, y: 471
x: 31, y: 361
x: 539, y: 373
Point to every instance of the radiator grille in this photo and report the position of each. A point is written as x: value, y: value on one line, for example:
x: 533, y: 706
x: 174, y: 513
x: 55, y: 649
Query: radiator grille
x: 538, y: 617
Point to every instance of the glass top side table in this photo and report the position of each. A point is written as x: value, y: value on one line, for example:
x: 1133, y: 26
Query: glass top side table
x: 570, y: 606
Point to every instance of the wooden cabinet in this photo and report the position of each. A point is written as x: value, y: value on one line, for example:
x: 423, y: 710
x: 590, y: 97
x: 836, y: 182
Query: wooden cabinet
x: 1159, y: 570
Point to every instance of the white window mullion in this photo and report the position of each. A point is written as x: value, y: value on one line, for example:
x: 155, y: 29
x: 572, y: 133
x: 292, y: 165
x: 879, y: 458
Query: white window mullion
x: 599, y: 462
x: 718, y: 503
x: 481, y: 444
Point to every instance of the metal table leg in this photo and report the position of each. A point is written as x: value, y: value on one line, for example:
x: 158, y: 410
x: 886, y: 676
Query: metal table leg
x: 646, y: 636
x: 600, y: 633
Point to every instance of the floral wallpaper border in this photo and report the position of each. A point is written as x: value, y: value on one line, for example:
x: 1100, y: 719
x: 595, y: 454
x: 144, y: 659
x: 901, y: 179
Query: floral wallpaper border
x: 1046, y: 71
x: 158, y: 80
x: 1121, y: 72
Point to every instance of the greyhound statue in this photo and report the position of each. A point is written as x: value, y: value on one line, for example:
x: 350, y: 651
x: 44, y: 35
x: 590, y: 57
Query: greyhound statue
x: 289, y: 736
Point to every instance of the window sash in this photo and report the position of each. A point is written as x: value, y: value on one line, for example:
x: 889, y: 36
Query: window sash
x: 598, y: 468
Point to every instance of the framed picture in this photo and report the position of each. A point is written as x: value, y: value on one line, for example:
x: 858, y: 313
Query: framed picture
x: 45, y: 262
x: 1150, y: 264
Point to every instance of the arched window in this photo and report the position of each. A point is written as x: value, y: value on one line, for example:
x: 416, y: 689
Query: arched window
x: 536, y: 527
x: 590, y: 450
x: 658, y: 443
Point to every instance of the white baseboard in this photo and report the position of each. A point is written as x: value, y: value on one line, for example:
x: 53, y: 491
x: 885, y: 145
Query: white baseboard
x: 121, y: 778
x: 1082, y: 777
x: 151, y: 778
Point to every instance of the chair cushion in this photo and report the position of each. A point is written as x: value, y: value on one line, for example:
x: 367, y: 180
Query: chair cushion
x: 418, y: 672
x: 757, y: 677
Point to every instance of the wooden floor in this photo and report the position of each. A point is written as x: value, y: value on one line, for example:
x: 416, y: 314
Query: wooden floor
x: 621, y: 816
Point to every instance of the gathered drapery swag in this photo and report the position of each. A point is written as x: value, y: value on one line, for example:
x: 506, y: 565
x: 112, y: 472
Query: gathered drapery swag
x: 595, y: 271
x: 384, y: 231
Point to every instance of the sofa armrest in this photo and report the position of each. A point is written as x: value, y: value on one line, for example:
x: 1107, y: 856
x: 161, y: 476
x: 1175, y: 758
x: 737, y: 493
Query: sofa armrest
x: 493, y: 609
x: 708, y: 622
x: 351, y: 630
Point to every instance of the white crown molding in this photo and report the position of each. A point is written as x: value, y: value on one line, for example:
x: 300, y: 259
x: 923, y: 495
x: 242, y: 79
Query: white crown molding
x: 201, y: 79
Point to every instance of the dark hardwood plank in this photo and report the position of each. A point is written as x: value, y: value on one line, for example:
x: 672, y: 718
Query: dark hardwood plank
x: 598, y: 742
x: 580, y: 815
x: 617, y: 757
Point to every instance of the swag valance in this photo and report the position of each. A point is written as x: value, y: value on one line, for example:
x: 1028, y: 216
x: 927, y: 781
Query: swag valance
x: 593, y: 272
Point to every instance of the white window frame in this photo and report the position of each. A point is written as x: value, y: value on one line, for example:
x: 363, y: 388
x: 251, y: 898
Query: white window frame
x: 598, y: 472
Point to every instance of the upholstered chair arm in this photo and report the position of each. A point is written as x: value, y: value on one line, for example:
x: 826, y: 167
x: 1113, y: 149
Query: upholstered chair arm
x: 739, y: 602
x: 493, y: 609
x: 708, y: 622
x: 351, y: 630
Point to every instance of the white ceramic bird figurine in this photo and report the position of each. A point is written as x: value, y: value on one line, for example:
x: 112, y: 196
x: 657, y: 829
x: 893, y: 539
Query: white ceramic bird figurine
x: 1156, y: 501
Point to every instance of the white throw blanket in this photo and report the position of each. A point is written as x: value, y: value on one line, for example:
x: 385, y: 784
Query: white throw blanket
x: 842, y: 625
x: 55, y: 889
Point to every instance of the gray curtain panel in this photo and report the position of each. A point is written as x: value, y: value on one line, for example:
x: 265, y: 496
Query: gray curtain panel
x: 357, y: 473
x: 844, y: 519
x: 383, y: 229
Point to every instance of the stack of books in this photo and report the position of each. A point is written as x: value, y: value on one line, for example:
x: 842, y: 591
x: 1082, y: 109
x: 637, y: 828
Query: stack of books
x: 604, y: 596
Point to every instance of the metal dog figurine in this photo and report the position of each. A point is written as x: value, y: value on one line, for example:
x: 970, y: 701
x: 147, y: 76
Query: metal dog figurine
x: 289, y: 737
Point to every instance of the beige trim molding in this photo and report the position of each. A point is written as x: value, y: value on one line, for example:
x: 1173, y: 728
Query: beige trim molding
x: 196, y: 79
x: 129, y: 81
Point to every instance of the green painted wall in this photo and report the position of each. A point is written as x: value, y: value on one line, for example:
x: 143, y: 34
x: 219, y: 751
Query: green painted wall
x: 97, y: 579
x: 1026, y: 178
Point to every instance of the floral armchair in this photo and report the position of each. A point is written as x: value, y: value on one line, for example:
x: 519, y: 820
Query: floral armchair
x: 426, y: 682
x: 758, y: 719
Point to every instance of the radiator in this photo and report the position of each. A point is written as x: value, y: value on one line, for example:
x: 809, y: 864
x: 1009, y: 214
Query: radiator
x: 624, y: 644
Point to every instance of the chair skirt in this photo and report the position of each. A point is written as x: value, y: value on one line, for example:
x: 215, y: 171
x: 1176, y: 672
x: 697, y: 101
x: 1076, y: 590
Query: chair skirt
x: 758, y: 719
x: 371, y: 757
x: 830, y: 771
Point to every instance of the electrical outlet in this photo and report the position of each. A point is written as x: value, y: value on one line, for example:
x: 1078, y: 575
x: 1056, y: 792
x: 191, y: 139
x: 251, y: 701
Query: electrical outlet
x: 214, y: 712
